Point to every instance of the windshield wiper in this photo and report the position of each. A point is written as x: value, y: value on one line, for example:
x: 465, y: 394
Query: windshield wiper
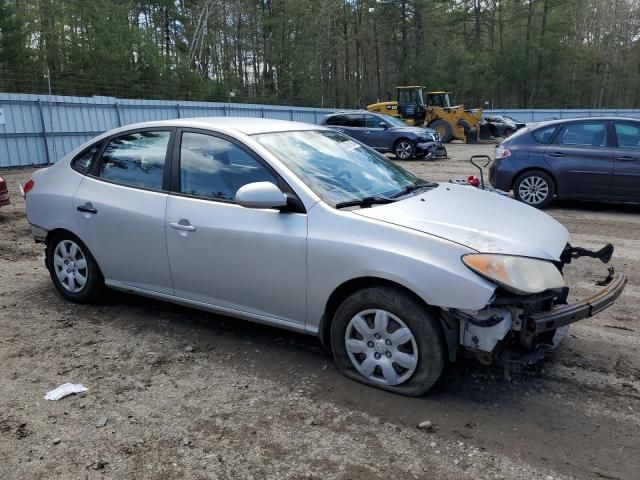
x: 418, y: 185
x: 365, y: 202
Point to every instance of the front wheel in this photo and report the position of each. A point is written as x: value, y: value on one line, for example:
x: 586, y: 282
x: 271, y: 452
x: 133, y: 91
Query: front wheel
x: 404, y: 149
x: 535, y: 188
x: 73, y: 270
x: 384, y: 337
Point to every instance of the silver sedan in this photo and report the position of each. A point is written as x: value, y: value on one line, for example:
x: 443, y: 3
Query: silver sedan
x: 301, y: 227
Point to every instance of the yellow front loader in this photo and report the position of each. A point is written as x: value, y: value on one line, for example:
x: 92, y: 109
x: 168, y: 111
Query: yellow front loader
x: 433, y: 109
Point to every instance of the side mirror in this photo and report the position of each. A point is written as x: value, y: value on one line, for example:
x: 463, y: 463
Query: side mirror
x: 384, y: 125
x: 260, y: 195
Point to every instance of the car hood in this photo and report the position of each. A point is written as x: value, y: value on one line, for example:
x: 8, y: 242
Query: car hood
x: 483, y: 221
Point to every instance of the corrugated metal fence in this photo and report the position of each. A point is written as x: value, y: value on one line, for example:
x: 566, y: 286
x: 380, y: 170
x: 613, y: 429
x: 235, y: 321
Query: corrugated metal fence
x: 40, y: 129
x: 540, y: 115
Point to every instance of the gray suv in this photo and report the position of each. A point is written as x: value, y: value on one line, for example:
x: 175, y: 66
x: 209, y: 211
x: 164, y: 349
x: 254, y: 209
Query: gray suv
x: 387, y: 134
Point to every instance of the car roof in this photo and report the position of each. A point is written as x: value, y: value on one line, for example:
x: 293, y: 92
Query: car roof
x: 356, y: 112
x: 246, y: 125
x: 557, y: 121
x: 344, y: 112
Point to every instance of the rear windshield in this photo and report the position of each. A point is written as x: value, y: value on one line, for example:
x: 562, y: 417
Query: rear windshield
x: 545, y: 134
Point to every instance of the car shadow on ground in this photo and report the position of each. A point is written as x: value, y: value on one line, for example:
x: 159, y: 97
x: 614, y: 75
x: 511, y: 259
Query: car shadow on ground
x: 270, y: 353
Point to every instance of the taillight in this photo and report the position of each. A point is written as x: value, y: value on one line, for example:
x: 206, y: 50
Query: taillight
x: 502, y: 152
x: 28, y: 186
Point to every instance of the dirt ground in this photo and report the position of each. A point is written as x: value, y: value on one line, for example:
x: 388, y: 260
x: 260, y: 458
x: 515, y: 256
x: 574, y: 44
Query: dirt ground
x: 192, y: 395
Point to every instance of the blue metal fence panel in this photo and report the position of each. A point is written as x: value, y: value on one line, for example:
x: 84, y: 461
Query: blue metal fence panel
x: 549, y: 114
x: 42, y: 128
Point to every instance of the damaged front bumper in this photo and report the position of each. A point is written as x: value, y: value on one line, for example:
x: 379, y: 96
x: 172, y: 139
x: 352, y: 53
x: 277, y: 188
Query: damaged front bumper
x: 567, y: 314
x: 431, y: 149
x: 517, y: 323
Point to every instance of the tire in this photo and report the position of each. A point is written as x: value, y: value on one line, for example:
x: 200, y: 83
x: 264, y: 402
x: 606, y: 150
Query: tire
x: 404, y: 149
x: 535, y: 188
x: 508, y: 132
x: 73, y: 269
x: 443, y: 128
x: 422, y: 352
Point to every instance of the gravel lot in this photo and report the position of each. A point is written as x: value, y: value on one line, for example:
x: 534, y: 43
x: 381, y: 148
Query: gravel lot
x: 192, y: 395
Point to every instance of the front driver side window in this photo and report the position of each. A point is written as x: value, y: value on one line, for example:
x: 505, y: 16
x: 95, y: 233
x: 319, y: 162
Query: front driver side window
x: 212, y: 167
x: 371, y: 121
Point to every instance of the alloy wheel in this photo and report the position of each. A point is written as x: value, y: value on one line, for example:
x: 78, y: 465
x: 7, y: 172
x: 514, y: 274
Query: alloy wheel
x: 381, y: 347
x: 404, y: 150
x: 70, y: 266
x: 533, y: 190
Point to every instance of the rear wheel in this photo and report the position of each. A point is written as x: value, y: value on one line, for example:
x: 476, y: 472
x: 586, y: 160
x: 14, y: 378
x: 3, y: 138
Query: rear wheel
x: 535, y: 188
x: 382, y: 336
x: 508, y: 132
x: 404, y: 149
x: 443, y: 128
x: 73, y: 270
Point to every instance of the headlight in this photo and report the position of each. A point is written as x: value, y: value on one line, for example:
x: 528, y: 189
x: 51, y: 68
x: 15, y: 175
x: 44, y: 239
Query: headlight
x: 520, y: 275
x: 428, y: 138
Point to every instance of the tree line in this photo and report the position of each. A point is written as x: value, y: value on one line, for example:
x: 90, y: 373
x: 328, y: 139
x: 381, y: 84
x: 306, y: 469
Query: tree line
x: 332, y: 53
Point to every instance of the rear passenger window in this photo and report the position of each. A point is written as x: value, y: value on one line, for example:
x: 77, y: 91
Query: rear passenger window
x: 354, y: 121
x: 136, y: 159
x: 82, y: 163
x: 591, y: 134
x: 215, y: 168
x: 628, y: 135
x: 335, y: 120
x: 544, y: 134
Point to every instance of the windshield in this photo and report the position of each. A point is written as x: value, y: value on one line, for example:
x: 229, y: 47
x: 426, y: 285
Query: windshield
x: 335, y: 167
x: 439, y: 100
x: 393, y: 121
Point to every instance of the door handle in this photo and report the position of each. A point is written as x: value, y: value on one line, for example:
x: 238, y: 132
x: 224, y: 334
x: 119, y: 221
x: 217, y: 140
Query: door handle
x: 183, y: 226
x: 625, y: 159
x: 556, y: 154
x: 87, y: 208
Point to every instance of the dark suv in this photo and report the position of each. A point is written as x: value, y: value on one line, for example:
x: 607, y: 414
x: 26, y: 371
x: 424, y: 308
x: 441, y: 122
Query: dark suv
x: 582, y: 158
x: 385, y: 133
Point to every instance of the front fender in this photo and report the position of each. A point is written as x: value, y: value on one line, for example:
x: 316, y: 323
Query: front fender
x: 343, y: 246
